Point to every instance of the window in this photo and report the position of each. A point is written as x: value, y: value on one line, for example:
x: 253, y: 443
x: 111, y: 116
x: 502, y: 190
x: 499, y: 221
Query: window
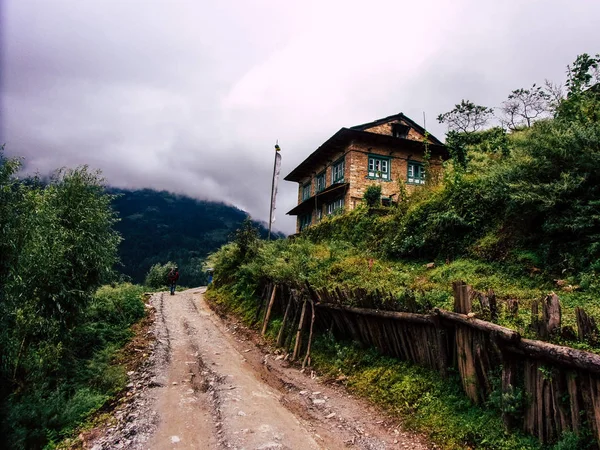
x: 321, y: 181
x: 335, y: 206
x: 400, y: 131
x: 337, y: 172
x: 416, y: 173
x: 304, y: 221
x: 319, y: 214
x: 306, y: 191
x: 379, y: 167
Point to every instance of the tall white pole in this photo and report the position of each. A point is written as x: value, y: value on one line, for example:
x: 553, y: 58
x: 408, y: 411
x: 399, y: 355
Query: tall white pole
x: 271, y: 209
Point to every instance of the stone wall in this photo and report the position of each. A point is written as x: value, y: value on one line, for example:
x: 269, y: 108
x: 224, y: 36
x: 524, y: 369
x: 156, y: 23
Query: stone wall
x: 357, y: 167
x: 386, y: 129
x: 313, y: 183
x: 356, y: 170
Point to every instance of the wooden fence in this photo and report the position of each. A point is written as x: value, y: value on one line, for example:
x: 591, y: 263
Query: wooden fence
x: 560, y: 385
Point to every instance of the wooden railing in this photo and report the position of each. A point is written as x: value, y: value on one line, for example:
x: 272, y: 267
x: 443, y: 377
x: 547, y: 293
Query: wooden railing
x: 561, y: 385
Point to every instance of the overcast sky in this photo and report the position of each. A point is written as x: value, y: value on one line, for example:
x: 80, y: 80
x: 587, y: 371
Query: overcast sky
x: 190, y: 96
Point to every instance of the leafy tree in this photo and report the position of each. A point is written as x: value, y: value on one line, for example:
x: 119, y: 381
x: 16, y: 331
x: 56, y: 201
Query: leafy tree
x: 157, y: 275
x: 466, y: 117
x: 583, y: 74
x: 524, y: 106
x: 58, y: 246
x: 583, y: 91
x: 372, y: 195
x: 247, y: 238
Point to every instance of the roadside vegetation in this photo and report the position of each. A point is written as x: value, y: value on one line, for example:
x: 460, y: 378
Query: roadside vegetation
x: 60, y: 328
x: 516, y: 210
x: 162, y: 226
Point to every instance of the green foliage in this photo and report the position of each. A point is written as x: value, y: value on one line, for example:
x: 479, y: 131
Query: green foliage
x: 83, y: 378
x: 246, y: 238
x: 157, y: 276
x: 425, y: 401
x: 571, y: 441
x: 372, y: 195
x: 466, y: 117
x: 160, y: 226
x: 57, y: 247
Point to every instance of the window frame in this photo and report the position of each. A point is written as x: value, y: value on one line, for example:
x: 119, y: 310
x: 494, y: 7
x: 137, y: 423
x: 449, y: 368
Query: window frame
x: 335, y: 171
x: 382, y: 159
x: 419, y: 180
x: 305, y: 221
x: 306, y: 186
x: 321, y: 177
x: 335, y: 206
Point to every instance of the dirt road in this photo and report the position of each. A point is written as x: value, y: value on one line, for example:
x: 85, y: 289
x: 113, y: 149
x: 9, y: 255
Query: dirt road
x: 208, y: 385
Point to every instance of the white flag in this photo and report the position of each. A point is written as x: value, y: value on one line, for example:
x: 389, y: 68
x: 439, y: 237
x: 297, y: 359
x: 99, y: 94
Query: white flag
x: 276, y: 171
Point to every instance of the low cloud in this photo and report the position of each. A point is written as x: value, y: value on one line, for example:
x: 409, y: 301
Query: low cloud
x: 191, y: 96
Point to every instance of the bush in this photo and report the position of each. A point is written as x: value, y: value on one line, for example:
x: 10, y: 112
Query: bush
x: 85, y: 376
x: 157, y: 276
x: 372, y: 195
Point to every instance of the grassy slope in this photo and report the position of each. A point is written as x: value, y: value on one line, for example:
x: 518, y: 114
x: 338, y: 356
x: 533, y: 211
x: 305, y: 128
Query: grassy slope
x: 419, y: 397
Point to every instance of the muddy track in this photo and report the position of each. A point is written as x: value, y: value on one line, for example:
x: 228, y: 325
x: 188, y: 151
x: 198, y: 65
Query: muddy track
x: 213, y: 384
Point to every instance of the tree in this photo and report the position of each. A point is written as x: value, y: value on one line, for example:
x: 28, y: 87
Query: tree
x: 583, y: 91
x: 157, y: 275
x: 583, y: 74
x: 372, y: 195
x: 555, y: 95
x: 246, y: 238
x: 60, y: 248
x: 524, y: 106
x: 466, y: 117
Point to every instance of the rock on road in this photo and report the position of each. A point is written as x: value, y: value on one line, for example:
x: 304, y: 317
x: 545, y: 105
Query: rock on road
x: 208, y: 386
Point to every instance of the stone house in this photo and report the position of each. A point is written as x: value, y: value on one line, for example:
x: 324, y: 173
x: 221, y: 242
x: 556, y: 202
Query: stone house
x: 389, y: 152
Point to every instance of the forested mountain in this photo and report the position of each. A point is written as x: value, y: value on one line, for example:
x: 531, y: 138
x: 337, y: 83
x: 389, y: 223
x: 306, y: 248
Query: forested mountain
x: 160, y: 226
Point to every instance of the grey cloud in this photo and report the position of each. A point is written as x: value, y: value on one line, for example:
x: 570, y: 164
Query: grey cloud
x: 190, y: 96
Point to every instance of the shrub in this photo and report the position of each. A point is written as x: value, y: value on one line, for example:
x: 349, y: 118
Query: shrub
x: 372, y: 195
x: 157, y: 275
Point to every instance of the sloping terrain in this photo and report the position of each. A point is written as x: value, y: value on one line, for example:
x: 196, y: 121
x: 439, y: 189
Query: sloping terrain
x: 160, y: 226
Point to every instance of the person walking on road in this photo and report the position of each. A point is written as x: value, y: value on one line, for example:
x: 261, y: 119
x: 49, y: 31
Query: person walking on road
x: 173, y: 277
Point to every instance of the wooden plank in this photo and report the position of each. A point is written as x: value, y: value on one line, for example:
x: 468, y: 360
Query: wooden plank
x: 574, y: 401
x: 594, y: 387
x: 281, y: 333
x: 586, y: 326
x: 403, y: 316
x: 268, y: 314
x: 552, y: 314
x: 299, y: 332
x: 310, y: 335
x: 502, y: 332
x: 564, y: 356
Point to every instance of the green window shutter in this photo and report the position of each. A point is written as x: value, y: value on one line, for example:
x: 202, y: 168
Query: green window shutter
x: 379, y: 168
x: 337, y: 172
x: 416, y: 173
x: 305, y: 220
x: 321, y: 182
x: 306, y: 191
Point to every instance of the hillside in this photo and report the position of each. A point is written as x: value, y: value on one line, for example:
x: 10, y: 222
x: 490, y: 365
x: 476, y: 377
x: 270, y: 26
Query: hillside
x: 160, y: 226
x: 514, y: 214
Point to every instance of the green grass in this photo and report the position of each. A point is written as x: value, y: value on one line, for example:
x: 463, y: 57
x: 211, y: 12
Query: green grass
x: 87, y: 376
x: 423, y: 400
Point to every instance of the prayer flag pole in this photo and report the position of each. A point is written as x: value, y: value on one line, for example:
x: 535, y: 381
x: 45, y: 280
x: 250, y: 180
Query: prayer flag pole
x: 276, y: 170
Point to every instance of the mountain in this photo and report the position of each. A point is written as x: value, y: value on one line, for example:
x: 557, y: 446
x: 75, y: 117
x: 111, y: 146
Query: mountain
x: 160, y: 226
